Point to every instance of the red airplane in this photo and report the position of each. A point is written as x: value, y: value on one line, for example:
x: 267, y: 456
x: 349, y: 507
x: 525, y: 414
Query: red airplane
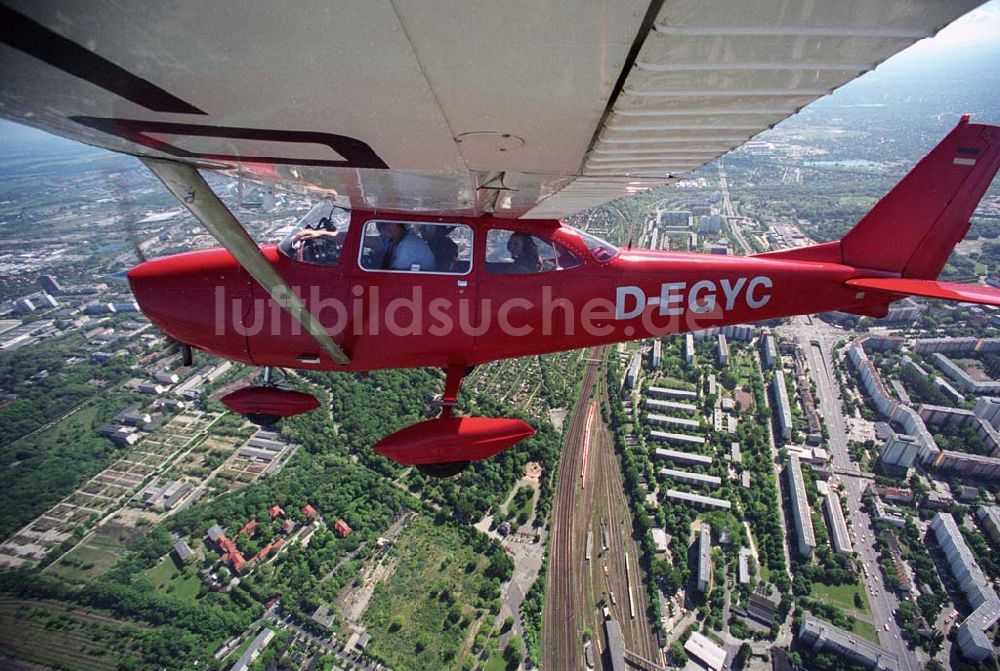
x: 455, y: 137
x: 501, y: 288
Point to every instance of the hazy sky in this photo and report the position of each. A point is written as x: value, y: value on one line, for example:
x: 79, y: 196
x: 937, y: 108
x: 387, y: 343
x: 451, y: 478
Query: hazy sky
x: 979, y: 25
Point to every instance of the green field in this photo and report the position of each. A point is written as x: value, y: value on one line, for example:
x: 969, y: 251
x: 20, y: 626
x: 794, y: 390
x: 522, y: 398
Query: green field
x: 865, y: 629
x: 89, y: 560
x: 495, y: 663
x: 182, y: 582
x: 419, y: 618
x: 59, y: 639
x: 520, y: 504
x: 841, y: 596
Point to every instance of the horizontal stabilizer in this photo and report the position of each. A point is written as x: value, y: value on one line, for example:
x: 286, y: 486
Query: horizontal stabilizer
x: 951, y: 291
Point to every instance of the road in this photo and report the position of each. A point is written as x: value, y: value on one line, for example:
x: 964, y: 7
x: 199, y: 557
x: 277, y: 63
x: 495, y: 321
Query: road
x: 884, y: 602
x: 730, y: 214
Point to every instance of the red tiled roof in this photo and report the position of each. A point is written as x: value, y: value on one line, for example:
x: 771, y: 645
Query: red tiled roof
x: 275, y: 511
x: 264, y: 551
x: 308, y: 511
x: 278, y: 544
x: 247, y: 528
x: 227, y: 545
x: 342, y: 528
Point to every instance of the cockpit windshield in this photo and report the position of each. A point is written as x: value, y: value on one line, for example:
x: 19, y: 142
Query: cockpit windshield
x: 601, y: 250
x: 318, y: 237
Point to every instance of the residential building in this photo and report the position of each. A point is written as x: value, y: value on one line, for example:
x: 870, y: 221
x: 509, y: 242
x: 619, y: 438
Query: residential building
x: 670, y: 406
x: 965, y: 381
x: 989, y: 520
x: 632, y: 372
x: 823, y: 636
x: 768, y: 349
x: 682, y: 457
x: 666, y: 420
x: 698, y: 500
x: 704, y: 557
x: 838, y: 525
x: 691, y: 477
x: 259, y: 643
x: 671, y: 393
x: 782, y: 409
x: 804, y: 533
x: 681, y: 439
x: 973, y: 640
x: 899, y: 450
x: 342, y: 528
x: 988, y: 409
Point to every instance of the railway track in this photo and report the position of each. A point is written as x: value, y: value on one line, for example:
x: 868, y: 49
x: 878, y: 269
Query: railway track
x: 636, y: 630
x: 560, y: 638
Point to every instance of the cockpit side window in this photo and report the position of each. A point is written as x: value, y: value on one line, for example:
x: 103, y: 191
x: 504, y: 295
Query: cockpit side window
x: 515, y: 253
x: 318, y: 238
x: 397, y: 246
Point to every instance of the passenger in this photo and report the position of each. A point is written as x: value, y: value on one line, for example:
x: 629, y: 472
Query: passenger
x: 445, y: 249
x: 524, y: 252
x: 403, y: 249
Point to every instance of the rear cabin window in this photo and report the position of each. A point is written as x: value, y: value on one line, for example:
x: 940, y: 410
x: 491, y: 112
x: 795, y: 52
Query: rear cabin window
x: 395, y: 246
x: 516, y: 253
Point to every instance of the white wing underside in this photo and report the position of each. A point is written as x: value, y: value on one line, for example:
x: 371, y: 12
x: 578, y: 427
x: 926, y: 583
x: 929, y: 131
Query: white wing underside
x: 517, y: 107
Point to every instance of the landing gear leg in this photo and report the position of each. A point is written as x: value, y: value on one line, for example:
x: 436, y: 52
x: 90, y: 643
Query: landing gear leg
x: 453, y: 383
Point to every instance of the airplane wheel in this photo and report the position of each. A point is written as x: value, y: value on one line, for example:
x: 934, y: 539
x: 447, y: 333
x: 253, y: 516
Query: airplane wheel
x: 262, y: 419
x: 446, y: 470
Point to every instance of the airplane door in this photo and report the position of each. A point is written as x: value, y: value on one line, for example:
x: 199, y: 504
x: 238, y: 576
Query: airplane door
x: 416, y: 284
x: 524, y: 280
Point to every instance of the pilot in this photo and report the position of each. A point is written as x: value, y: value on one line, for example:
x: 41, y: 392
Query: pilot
x: 445, y: 249
x: 403, y: 249
x: 524, y: 252
x: 320, y: 245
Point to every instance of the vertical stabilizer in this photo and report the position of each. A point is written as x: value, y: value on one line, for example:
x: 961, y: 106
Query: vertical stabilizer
x: 914, y: 228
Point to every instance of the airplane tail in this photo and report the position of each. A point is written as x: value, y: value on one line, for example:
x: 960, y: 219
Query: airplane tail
x: 914, y: 228
x: 911, y: 232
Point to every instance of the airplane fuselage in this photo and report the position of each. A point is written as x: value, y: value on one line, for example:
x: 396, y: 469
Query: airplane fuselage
x: 399, y: 319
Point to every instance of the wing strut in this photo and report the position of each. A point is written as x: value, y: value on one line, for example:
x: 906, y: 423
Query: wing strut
x: 190, y: 188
